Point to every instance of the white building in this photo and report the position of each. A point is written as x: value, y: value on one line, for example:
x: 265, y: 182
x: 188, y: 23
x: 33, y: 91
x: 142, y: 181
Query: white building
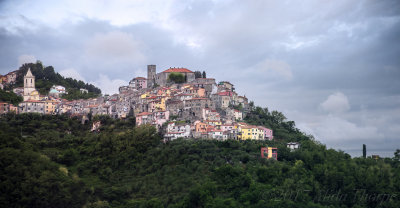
x: 175, y: 131
x: 293, y: 145
x: 30, y: 92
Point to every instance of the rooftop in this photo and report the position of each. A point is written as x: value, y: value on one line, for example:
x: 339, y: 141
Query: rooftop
x: 181, y: 70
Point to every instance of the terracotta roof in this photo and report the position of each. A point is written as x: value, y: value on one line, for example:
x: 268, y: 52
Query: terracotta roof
x: 199, y: 99
x: 182, y: 70
x: 33, y: 101
x: 143, y: 114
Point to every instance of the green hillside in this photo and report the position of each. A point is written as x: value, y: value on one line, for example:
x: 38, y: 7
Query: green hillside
x: 46, y: 77
x: 10, y: 97
x: 54, y: 161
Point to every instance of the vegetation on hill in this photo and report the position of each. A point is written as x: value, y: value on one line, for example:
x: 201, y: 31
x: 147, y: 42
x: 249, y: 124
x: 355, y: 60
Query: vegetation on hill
x: 10, y: 97
x: 54, y: 161
x: 46, y: 77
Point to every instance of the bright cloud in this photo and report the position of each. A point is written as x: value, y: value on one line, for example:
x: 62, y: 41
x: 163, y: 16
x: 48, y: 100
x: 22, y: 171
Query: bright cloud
x: 336, y: 103
x: 72, y: 73
x: 23, y: 59
x: 107, y: 85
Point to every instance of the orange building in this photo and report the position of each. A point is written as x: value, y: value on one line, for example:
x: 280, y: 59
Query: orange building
x: 269, y: 152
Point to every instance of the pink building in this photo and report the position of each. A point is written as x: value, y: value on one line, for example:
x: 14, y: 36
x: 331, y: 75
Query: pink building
x: 144, y: 118
x: 138, y: 83
x: 268, y: 134
x: 159, y: 118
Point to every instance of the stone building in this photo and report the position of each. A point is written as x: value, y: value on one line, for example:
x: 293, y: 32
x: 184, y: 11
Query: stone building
x: 12, y: 77
x: 221, y: 100
x: 194, y: 107
x: 209, y: 85
x: 151, y: 75
x: 32, y: 106
x: 175, y: 107
x: 162, y: 77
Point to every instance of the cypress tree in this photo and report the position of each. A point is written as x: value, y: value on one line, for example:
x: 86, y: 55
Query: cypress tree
x: 364, y: 151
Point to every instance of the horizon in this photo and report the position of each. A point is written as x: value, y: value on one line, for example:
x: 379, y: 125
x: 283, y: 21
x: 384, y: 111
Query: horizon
x: 333, y: 68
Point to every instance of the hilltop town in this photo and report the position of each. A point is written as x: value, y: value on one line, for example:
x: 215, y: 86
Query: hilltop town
x: 177, y: 101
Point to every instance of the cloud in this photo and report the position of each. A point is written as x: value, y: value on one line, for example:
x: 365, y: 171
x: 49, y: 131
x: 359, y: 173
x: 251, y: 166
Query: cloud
x: 340, y: 133
x: 336, y: 129
x: 336, y: 103
x: 72, y: 73
x: 115, y: 47
x: 107, y: 85
x: 274, y: 69
x: 294, y: 43
x: 23, y: 59
x: 289, y: 58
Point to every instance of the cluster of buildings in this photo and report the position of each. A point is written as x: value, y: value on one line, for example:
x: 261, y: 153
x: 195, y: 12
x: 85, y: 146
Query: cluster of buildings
x: 197, y: 108
x: 33, y: 101
x: 8, y: 79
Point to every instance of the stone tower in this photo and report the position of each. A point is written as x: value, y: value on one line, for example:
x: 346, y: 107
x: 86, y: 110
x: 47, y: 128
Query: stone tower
x: 29, y: 84
x: 151, y: 75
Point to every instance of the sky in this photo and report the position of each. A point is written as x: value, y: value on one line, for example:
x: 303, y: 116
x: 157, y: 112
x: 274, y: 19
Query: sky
x: 333, y: 67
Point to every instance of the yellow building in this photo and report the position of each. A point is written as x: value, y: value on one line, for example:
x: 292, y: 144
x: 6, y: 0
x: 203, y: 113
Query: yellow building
x: 214, y: 123
x: 245, y: 132
x: 160, y: 105
x: 50, y: 106
x: 250, y: 132
x: 143, y: 96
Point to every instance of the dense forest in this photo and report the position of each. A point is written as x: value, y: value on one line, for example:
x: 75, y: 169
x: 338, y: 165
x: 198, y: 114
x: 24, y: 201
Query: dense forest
x: 55, y: 161
x: 46, y: 77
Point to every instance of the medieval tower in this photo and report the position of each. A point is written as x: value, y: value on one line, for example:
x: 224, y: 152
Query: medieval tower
x: 29, y: 85
x: 151, y: 75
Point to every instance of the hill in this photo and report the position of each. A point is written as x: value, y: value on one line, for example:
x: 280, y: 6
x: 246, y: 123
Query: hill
x: 54, y: 161
x: 46, y: 77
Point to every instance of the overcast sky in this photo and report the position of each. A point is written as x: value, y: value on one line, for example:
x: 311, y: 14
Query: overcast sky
x: 331, y: 66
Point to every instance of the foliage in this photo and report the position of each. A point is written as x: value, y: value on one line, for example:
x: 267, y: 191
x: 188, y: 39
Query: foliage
x: 75, y: 94
x: 10, y: 97
x: 54, y: 161
x: 176, y: 77
x: 204, y: 74
x: 364, y: 151
x: 197, y: 74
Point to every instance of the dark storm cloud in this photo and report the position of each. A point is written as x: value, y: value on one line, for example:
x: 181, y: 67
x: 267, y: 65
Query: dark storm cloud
x: 294, y: 58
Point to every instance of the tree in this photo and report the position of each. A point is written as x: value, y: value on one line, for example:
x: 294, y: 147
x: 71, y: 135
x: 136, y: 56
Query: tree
x: 197, y: 74
x: 10, y: 97
x: 364, y: 151
x: 204, y: 74
x: 397, y: 155
x: 176, y: 77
